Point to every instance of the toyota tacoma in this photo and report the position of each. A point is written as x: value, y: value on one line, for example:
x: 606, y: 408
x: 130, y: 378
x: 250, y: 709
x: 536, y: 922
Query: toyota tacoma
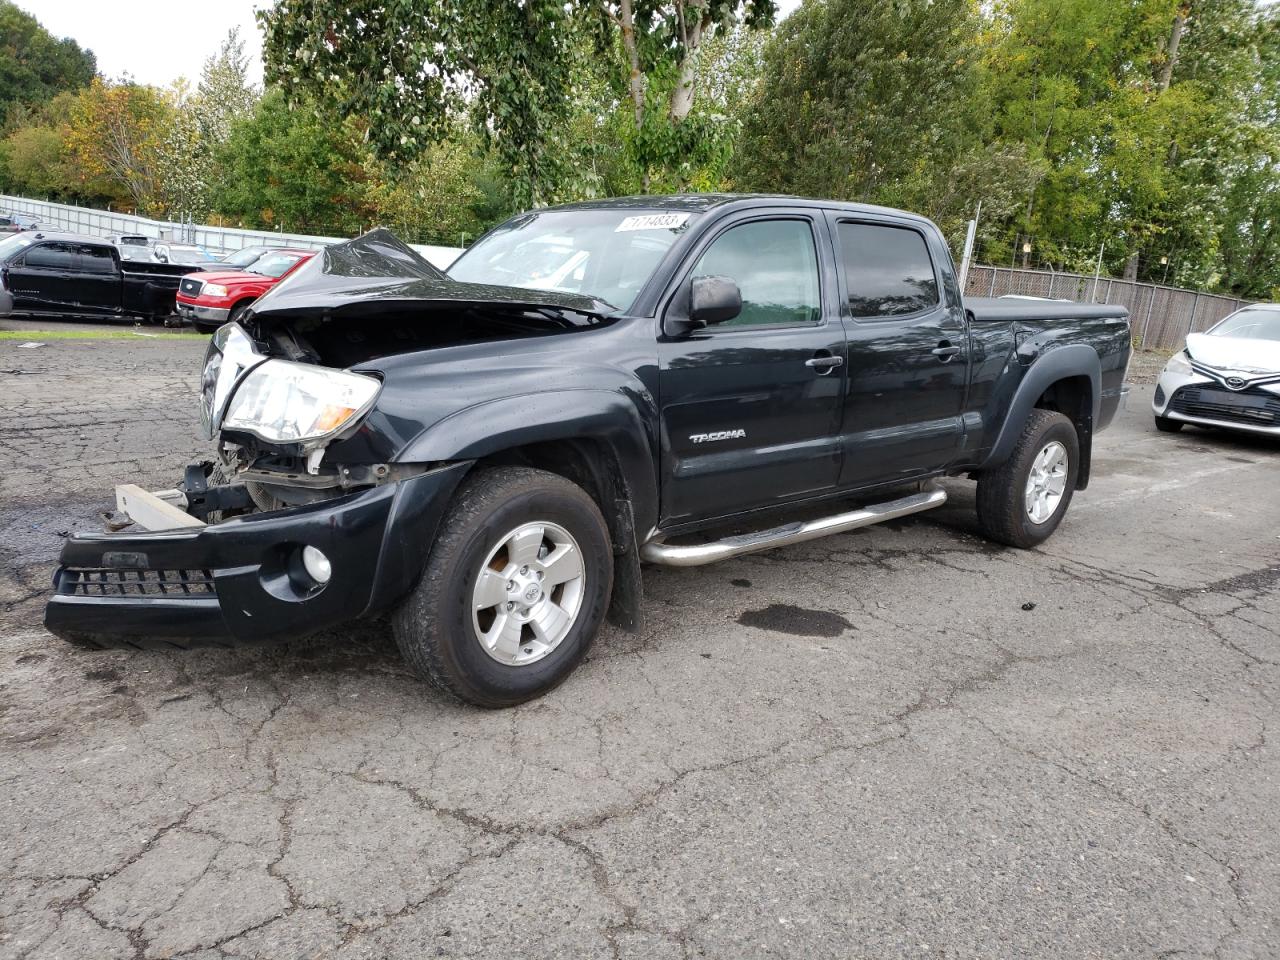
x: 488, y: 456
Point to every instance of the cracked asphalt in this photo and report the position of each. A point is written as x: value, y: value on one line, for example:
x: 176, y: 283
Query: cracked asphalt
x: 902, y: 742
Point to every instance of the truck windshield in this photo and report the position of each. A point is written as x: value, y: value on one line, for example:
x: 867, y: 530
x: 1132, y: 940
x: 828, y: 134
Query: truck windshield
x: 607, y: 254
x: 11, y: 245
x: 1256, y: 323
x: 274, y: 264
x: 188, y: 255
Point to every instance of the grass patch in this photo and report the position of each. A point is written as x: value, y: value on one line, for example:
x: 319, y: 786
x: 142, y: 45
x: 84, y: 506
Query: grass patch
x: 28, y: 335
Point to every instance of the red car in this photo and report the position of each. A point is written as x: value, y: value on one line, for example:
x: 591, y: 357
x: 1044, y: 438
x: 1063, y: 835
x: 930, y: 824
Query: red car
x: 211, y: 299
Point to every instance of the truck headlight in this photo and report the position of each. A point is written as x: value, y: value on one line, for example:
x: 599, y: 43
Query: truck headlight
x: 1178, y: 363
x: 286, y: 402
x: 214, y: 290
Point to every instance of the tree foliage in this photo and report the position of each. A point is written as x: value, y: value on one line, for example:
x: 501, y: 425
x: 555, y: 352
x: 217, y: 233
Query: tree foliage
x: 34, y: 65
x: 410, y: 70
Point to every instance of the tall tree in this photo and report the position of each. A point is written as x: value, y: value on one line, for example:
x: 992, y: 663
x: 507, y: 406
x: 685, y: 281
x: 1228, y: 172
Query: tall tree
x: 115, y: 133
x: 409, y: 70
x: 288, y: 168
x: 35, y: 65
x: 224, y: 92
x: 876, y: 101
x: 661, y: 42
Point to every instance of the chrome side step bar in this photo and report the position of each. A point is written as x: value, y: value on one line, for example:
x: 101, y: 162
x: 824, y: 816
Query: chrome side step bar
x: 695, y: 555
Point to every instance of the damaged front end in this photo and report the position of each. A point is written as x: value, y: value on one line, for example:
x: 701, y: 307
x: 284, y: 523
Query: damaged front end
x: 310, y: 516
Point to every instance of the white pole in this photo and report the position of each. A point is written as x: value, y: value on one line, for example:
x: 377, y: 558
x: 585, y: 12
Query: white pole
x: 1097, y: 271
x: 968, y: 249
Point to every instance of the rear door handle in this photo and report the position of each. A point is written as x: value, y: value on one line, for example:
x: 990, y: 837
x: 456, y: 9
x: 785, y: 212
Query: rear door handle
x: 824, y: 364
x: 946, y: 350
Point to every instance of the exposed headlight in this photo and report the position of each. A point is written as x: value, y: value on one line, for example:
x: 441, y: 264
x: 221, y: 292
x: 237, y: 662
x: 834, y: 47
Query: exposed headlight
x: 214, y: 290
x: 1178, y: 363
x: 286, y: 402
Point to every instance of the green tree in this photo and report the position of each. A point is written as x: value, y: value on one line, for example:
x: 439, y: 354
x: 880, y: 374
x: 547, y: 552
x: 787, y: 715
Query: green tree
x: 877, y: 101
x: 35, y: 65
x: 224, y: 93
x: 409, y: 70
x: 287, y: 168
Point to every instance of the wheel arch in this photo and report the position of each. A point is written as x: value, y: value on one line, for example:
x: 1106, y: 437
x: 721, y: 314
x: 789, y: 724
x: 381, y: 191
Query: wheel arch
x: 595, y: 439
x: 1067, y: 380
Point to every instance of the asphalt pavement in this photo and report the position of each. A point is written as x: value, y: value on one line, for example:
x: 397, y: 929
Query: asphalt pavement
x: 900, y: 742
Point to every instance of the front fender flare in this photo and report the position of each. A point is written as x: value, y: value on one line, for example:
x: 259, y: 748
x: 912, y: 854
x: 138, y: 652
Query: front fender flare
x: 610, y: 417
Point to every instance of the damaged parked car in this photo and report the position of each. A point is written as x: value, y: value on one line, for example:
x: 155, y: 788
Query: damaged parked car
x: 488, y: 456
x: 1227, y: 377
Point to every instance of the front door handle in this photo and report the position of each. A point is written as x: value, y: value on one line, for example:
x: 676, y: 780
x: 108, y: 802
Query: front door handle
x: 824, y: 363
x: 946, y: 350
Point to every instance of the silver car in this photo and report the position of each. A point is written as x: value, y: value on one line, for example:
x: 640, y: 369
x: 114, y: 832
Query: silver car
x: 1227, y: 377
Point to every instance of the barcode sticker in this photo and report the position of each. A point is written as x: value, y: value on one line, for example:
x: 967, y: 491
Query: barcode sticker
x: 652, y: 221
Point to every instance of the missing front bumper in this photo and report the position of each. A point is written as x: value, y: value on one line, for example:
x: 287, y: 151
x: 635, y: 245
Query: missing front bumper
x: 236, y: 582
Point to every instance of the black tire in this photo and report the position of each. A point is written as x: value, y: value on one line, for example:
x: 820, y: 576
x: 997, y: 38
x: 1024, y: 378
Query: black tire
x: 1002, y: 511
x: 238, y: 311
x: 1165, y: 425
x: 202, y: 327
x: 434, y: 627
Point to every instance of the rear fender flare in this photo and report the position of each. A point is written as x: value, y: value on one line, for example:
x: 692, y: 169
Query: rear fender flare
x: 1059, y: 363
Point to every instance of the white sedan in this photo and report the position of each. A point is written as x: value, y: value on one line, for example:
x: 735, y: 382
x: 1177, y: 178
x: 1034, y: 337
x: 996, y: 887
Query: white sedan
x: 1226, y: 377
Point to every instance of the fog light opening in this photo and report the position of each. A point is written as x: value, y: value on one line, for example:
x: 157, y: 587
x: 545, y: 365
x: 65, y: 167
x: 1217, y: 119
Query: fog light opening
x: 317, y: 565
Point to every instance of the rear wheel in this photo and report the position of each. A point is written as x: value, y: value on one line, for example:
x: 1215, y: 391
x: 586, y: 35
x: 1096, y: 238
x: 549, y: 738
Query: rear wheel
x: 1165, y: 425
x: 1022, y: 501
x: 514, y: 591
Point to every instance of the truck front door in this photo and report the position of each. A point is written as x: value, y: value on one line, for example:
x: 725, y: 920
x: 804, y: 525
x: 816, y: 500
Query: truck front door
x: 42, y: 278
x: 751, y: 407
x: 908, y: 350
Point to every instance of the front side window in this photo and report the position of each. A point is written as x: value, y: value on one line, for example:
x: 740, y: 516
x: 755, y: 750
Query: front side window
x: 51, y: 256
x: 887, y: 270
x: 775, y: 265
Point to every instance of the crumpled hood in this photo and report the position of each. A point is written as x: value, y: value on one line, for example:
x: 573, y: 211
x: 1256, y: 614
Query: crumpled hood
x: 377, y: 273
x: 1238, y: 354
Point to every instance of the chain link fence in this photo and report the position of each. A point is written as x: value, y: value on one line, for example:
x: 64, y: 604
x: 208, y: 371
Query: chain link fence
x: 216, y: 240
x: 1161, y: 316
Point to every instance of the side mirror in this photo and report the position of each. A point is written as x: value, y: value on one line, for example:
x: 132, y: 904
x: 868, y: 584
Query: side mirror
x: 713, y: 300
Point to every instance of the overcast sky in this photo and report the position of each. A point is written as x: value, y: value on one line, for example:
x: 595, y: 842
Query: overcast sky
x: 157, y: 41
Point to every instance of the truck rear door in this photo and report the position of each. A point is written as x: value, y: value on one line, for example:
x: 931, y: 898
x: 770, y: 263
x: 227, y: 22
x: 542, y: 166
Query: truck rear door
x: 98, y: 279
x: 907, y: 353
x: 751, y: 407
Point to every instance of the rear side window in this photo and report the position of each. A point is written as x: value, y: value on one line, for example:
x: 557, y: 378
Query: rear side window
x: 51, y: 256
x: 887, y: 270
x: 96, y: 260
x: 776, y: 268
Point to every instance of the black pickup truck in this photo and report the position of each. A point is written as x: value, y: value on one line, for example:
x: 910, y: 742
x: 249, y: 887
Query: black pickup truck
x: 74, y: 276
x: 489, y: 456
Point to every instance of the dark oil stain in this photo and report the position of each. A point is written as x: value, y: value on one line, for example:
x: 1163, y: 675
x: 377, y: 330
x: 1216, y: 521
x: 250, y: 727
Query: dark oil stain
x: 739, y: 582
x: 797, y: 621
x: 106, y: 675
x: 33, y: 658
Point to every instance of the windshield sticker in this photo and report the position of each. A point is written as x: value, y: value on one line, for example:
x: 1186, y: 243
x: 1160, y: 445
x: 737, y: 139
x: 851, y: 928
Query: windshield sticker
x: 652, y: 221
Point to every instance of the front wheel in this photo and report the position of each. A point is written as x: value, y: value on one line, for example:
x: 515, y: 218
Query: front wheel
x: 1022, y: 501
x: 514, y: 590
